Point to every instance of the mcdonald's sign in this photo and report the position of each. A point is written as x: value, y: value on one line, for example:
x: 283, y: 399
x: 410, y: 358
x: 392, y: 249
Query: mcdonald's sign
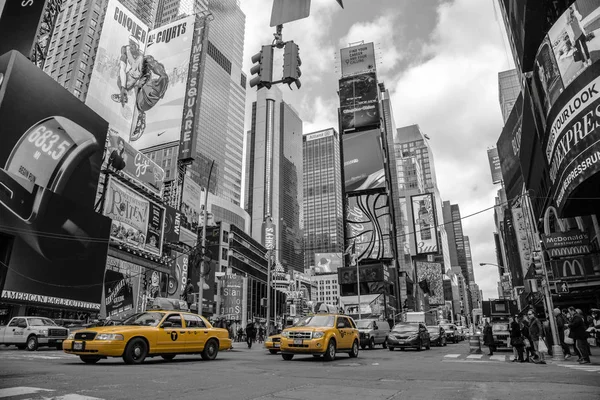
x: 569, y: 268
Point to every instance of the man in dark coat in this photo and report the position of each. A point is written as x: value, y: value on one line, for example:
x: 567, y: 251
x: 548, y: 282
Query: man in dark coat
x: 250, y: 333
x: 536, y: 332
x: 488, y: 338
x: 579, y: 335
x: 561, y: 324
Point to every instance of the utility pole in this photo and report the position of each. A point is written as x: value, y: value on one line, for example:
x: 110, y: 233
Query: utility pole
x: 557, y: 351
x: 200, y: 303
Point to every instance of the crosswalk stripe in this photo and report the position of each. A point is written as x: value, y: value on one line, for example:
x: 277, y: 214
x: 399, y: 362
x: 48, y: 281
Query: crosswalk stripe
x: 21, y: 390
x: 498, y: 358
x: 478, y: 356
x: 74, y: 396
x: 452, y: 355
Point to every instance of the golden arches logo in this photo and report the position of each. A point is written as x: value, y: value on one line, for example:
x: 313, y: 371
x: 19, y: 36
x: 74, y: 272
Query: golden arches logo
x: 572, y: 266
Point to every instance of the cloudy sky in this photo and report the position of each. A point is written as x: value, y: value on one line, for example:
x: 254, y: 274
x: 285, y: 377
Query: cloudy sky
x: 439, y: 59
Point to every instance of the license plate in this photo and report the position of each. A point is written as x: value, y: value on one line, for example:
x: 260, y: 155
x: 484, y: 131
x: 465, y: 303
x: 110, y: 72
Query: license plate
x: 276, y: 345
x: 297, y: 341
x: 59, y: 341
x: 77, y: 345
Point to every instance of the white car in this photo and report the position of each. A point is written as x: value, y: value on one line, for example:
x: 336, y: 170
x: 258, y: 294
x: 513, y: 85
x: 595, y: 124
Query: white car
x: 33, y: 332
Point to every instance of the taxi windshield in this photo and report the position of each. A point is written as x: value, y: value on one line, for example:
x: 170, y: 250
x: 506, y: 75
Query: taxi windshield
x: 317, y: 320
x: 144, y: 319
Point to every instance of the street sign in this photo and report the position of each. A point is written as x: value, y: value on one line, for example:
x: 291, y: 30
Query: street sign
x: 289, y: 10
x: 562, y: 287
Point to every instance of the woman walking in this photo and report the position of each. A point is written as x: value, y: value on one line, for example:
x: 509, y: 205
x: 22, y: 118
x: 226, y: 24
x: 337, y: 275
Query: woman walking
x: 488, y: 338
x: 516, y: 340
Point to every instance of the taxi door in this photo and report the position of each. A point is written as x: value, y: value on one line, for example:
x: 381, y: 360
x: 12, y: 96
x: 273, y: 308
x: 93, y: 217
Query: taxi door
x: 171, y: 339
x: 197, y: 333
x: 344, y: 333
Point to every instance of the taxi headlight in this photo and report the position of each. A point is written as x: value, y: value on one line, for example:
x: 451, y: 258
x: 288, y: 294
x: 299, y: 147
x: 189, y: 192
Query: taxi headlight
x: 109, y: 336
x: 318, y: 335
x: 71, y: 336
x: 285, y: 334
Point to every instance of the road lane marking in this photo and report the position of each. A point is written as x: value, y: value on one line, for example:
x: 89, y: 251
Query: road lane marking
x: 498, y: 358
x: 477, y: 356
x: 73, y: 396
x: 452, y: 356
x: 21, y: 390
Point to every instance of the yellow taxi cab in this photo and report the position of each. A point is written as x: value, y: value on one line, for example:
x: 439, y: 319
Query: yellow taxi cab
x: 164, y: 333
x: 322, y: 334
x: 273, y: 343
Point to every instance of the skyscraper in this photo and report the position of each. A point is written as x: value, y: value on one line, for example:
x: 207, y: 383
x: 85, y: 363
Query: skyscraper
x: 470, y: 273
x: 323, y: 201
x: 171, y: 10
x: 274, y: 170
x: 509, y: 88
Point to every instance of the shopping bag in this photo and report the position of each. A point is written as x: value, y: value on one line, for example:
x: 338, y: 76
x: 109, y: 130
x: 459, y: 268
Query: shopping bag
x: 508, y: 342
x: 592, y: 341
x: 542, y: 348
x: 526, y: 343
x: 568, y: 340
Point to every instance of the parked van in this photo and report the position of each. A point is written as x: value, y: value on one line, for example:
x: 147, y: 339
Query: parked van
x: 372, y: 332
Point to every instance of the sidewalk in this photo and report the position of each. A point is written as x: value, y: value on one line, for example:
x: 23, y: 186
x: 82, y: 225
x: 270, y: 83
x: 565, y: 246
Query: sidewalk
x: 594, y: 358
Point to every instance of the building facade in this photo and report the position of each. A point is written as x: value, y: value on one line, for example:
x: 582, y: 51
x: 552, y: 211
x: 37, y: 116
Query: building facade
x: 509, y: 88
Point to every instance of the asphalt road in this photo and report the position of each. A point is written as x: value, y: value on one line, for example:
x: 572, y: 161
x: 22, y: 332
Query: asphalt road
x: 440, y: 373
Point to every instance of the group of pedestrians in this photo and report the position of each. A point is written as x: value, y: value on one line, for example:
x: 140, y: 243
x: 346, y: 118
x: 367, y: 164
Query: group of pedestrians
x: 254, y: 333
x: 574, y: 328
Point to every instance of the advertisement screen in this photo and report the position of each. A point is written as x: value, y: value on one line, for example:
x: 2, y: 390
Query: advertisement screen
x: 368, y: 226
x: 190, y: 204
x: 432, y: 273
x: 136, y: 221
x: 123, y: 157
x: 424, y: 223
x: 359, y: 102
x: 172, y: 225
x: 494, y: 161
x: 363, y: 161
x: 328, y: 263
x: 358, y: 59
x: 122, y: 284
x: 508, y: 149
x: 159, y: 103
x: 118, y: 70
x: 233, y: 295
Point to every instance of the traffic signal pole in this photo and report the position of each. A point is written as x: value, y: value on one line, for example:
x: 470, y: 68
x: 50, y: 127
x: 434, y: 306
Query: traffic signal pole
x: 557, y: 351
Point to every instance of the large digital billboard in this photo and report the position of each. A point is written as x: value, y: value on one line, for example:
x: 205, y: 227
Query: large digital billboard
x: 508, y: 146
x: 328, y: 263
x: 359, y: 102
x: 159, y: 102
x: 424, y: 223
x: 368, y: 226
x: 363, y: 161
x: 136, y: 221
x: 118, y: 70
x: 358, y: 59
x: 190, y: 205
x: 432, y: 273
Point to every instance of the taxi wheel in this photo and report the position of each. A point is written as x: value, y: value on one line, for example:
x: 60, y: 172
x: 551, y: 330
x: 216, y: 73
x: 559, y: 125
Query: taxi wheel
x: 136, y: 351
x: 354, y: 352
x: 168, y: 357
x: 32, y: 343
x: 89, y: 359
x: 273, y: 351
x: 330, y: 352
x: 211, y: 349
x: 287, y: 357
x: 372, y: 343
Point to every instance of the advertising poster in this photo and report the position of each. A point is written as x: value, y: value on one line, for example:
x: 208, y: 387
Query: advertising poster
x: 118, y: 70
x: 494, y: 161
x: 122, y: 283
x: 547, y: 75
x: 328, y: 263
x: 358, y: 59
x: 575, y: 268
x: 368, y: 225
x: 136, y: 221
x: 363, y: 161
x: 159, y: 103
x: 172, y: 225
x: 432, y: 273
x: 359, y: 102
x: 190, y: 204
x: 232, y: 297
x: 187, y: 141
x: 424, y: 223
x: 508, y: 146
x: 123, y: 157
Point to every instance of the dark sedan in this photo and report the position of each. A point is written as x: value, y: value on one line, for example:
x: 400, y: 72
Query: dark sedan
x: 406, y: 335
x: 437, y: 335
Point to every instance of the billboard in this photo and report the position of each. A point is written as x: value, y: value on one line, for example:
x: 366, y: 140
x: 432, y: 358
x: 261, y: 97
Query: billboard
x: 424, y: 223
x: 368, y: 226
x: 172, y: 225
x: 372, y: 279
x: 328, y: 263
x: 136, y: 221
x: 124, y: 158
x: 159, y: 103
x: 575, y: 268
x: 432, y: 273
x: 359, y: 102
x: 190, y: 204
x: 187, y: 142
x: 565, y: 239
x: 363, y: 161
x: 122, y: 284
x: 232, y: 298
x: 508, y: 149
x: 358, y: 59
x: 118, y: 70
x: 494, y: 161
x: 19, y: 23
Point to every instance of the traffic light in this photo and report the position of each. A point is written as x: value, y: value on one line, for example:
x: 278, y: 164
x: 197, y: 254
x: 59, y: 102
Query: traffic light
x: 538, y: 264
x: 291, y: 64
x: 263, y: 68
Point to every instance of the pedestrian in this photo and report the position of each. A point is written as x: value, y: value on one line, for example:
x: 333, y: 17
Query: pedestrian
x: 596, y: 325
x: 561, y: 324
x: 588, y: 323
x: 579, y: 335
x: 527, y: 343
x: 536, y: 332
x: 516, y: 340
x: 250, y: 333
x: 488, y: 338
x: 548, y: 335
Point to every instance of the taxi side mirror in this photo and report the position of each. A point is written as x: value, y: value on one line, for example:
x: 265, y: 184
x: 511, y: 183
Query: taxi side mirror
x: 167, y: 324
